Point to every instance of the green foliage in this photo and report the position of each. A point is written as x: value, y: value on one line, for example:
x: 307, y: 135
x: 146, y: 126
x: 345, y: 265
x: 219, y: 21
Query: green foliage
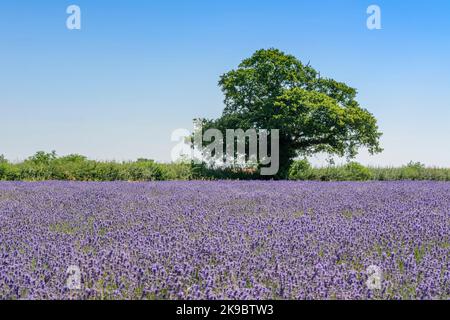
x: 357, y: 172
x: 42, y: 158
x: 273, y: 90
x: 48, y: 166
x: 352, y: 171
x: 413, y: 170
x: 205, y: 172
x: 300, y: 170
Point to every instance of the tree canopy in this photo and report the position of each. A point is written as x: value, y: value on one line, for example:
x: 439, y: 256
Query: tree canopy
x: 274, y: 90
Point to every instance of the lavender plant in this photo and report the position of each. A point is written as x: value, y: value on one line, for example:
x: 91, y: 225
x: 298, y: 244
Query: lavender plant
x: 224, y: 240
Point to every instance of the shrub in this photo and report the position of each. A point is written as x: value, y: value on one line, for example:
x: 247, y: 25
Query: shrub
x: 4, y: 168
x: 357, y: 172
x: 300, y: 170
x: 412, y: 171
x: 142, y: 171
x: 48, y: 166
x: 9, y: 172
x: 42, y: 157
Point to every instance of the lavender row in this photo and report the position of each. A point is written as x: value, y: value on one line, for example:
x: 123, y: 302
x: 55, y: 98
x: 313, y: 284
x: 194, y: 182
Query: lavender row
x: 224, y: 240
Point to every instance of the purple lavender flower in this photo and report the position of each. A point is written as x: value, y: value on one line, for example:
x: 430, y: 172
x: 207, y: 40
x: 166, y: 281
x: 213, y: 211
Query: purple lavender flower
x: 225, y: 240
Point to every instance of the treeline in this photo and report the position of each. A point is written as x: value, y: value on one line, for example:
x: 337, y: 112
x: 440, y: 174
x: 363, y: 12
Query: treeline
x: 48, y: 166
x: 353, y: 171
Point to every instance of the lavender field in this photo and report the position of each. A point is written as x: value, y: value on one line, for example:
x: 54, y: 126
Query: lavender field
x: 225, y: 240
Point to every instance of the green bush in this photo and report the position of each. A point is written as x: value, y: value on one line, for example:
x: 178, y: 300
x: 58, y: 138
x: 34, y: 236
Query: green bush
x: 177, y: 171
x: 48, y: 166
x: 357, y: 172
x: 142, y: 171
x: 412, y: 171
x: 3, y: 169
x: 300, y: 170
x: 9, y: 172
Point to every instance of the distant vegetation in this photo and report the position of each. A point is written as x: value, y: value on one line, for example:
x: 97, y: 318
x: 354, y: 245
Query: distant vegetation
x: 353, y: 171
x: 48, y: 166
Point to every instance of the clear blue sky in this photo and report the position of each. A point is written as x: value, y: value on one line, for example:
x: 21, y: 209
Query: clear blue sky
x: 140, y: 69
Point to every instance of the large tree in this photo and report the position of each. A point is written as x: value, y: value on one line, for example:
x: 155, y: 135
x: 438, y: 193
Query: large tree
x: 274, y: 90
